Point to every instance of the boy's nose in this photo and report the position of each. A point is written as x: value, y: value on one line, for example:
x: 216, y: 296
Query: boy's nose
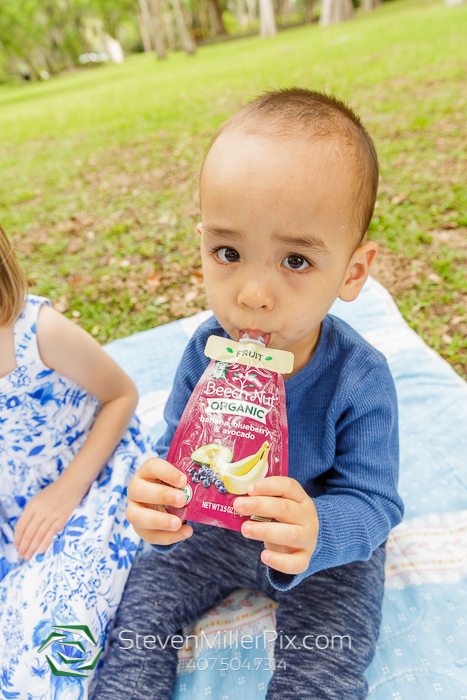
x: 255, y: 294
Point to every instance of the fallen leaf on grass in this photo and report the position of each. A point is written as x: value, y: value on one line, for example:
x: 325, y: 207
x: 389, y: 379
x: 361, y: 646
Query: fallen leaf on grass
x: 74, y: 247
x: 61, y: 305
x: 191, y: 296
x: 398, y: 198
x: 153, y: 281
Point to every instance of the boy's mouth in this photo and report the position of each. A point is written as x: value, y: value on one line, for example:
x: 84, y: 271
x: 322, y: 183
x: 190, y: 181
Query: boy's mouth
x: 258, y: 336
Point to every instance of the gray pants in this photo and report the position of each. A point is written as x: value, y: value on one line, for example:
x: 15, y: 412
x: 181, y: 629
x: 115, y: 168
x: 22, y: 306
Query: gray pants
x: 202, y: 572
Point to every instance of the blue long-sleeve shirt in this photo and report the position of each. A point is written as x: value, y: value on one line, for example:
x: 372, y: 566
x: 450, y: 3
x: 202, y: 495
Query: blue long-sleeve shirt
x: 343, y: 441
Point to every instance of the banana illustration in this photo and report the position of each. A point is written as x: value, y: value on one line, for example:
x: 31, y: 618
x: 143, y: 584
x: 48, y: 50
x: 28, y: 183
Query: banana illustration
x: 243, y: 466
x: 238, y: 484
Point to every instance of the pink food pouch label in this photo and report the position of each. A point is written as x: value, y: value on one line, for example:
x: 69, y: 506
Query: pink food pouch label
x: 233, y: 431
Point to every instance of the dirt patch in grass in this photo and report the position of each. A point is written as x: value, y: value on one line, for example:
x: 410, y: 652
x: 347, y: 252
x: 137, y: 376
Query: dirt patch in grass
x: 394, y: 271
x: 430, y: 290
x: 127, y: 259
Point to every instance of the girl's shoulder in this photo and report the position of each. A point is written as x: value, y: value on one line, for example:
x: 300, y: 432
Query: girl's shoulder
x: 31, y: 307
x: 25, y: 328
x: 34, y: 302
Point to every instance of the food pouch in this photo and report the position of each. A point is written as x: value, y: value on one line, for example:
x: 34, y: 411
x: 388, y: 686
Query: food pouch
x: 233, y: 431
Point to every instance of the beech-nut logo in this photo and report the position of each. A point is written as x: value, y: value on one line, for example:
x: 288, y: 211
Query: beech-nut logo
x: 62, y: 667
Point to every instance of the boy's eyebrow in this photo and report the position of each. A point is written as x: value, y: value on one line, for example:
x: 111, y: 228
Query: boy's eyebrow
x: 218, y: 231
x: 311, y: 242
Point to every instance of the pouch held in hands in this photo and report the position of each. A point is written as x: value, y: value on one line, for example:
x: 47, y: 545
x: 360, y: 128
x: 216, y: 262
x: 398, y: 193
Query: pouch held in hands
x: 233, y: 431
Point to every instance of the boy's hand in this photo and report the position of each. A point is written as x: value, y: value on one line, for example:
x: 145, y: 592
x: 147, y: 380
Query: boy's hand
x: 148, y: 492
x: 44, y: 516
x: 291, y: 541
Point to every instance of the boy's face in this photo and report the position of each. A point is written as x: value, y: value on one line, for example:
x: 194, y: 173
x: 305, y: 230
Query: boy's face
x: 278, y: 238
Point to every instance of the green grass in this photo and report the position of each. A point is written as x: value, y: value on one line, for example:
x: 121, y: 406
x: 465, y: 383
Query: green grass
x: 99, y: 167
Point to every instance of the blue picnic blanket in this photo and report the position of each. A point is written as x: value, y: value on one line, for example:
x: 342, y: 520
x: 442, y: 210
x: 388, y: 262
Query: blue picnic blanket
x: 422, y: 646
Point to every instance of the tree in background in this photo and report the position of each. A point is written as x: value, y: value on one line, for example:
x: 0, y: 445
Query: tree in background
x: 216, y: 14
x: 187, y: 40
x: 268, y: 21
x: 145, y: 26
x: 368, y: 5
x: 51, y: 35
x: 335, y: 11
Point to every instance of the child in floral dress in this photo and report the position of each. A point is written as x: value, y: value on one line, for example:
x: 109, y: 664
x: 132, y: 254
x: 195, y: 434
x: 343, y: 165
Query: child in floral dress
x: 69, y: 445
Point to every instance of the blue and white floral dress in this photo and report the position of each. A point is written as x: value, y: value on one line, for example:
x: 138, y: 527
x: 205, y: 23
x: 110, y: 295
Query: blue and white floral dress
x: 56, y: 608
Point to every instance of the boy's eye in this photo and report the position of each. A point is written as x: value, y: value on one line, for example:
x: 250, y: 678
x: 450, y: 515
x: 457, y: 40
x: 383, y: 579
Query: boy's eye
x: 228, y: 255
x: 295, y: 262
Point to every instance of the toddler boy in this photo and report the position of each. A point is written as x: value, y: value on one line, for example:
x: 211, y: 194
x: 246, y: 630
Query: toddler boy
x: 288, y: 188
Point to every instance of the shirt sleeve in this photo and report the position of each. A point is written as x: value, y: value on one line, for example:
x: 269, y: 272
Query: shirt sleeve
x: 190, y: 369
x: 360, y: 503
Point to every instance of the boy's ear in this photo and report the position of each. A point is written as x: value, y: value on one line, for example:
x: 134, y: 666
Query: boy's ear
x: 358, y: 270
x: 198, y: 228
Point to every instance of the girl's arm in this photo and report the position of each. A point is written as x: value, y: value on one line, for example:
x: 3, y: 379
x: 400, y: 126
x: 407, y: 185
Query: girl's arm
x: 68, y: 349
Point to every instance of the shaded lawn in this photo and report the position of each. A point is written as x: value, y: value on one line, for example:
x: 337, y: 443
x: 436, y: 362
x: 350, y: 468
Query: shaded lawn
x: 99, y: 167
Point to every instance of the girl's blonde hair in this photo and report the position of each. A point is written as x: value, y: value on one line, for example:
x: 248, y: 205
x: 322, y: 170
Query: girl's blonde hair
x: 13, y: 284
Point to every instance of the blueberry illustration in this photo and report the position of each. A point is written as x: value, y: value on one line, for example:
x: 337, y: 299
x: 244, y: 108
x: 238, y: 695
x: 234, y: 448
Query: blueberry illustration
x: 222, y: 489
x: 218, y: 483
x: 206, y: 483
x: 195, y: 478
x: 192, y: 471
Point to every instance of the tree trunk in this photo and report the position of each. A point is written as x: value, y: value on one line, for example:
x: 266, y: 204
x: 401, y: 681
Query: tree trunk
x: 70, y: 64
x: 31, y: 65
x: 49, y: 62
x: 187, y: 41
x: 241, y: 14
x: 156, y: 17
x: 251, y: 5
x: 218, y: 22
x: 148, y: 24
x: 368, y: 5
x: 309, y: 7
x: 267, y: 19
x: 335, y: 11
x: 144, y: 31
x: 169, y: 26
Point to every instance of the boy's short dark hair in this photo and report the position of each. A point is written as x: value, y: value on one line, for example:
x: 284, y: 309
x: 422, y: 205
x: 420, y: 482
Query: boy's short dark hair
x: 317, y: 116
